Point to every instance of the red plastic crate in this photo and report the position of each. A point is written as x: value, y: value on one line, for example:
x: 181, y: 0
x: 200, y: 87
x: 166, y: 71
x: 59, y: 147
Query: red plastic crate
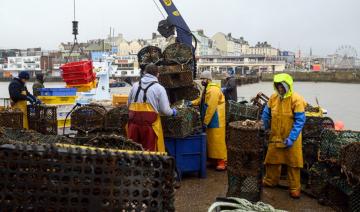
x: 80, y: 81
x: 75, y: 67
x: 78, y: 76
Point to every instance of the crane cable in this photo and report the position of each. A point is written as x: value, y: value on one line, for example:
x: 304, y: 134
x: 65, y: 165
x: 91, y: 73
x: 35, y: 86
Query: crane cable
x: 75, y: 37
x: 157, y: 6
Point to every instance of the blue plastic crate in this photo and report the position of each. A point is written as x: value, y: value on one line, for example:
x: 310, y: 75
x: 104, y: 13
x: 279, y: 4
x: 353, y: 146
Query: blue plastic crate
x: 58, y: 91
x: 189, y: 153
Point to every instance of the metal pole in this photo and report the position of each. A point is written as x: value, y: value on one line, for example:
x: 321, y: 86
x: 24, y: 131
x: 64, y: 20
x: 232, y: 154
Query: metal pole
x: 74, y: 11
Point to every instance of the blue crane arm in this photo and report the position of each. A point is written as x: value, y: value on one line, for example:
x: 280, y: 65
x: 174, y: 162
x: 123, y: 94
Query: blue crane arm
x: 183, y: 31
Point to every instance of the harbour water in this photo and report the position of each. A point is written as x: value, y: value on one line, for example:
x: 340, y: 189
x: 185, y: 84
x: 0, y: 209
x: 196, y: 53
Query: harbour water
x: 341, y: 100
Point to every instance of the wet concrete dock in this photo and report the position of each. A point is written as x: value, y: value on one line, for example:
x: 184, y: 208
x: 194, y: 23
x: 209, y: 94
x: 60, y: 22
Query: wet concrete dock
x: 198, y: 194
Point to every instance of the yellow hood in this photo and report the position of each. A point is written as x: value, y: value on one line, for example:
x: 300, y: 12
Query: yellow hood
x: 288, y: 80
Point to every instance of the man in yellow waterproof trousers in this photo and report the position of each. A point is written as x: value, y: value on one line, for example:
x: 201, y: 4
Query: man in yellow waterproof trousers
x: 284, y: 115
x: 147, y: 99
x: 212, y: 111
x: 19, y: 95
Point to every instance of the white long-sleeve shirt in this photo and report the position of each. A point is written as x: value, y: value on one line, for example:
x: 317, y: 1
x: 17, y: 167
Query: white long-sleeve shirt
x: 156, y: 95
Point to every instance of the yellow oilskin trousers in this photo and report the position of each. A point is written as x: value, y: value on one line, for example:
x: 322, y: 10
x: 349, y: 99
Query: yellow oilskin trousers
x: 273, y: 173
x: 143, y: 110
x: 22, y: 105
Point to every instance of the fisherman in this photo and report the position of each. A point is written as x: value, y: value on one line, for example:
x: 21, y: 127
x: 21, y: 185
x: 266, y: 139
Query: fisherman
x: 212, y: 111
x: 147, y: 99
x: 230, y: 87
x: 19, y: 95
x: 284, y: 116
x: 39, y: 83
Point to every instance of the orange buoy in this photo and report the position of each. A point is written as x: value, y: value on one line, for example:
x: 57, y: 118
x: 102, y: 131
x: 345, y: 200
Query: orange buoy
x: 339, y: 125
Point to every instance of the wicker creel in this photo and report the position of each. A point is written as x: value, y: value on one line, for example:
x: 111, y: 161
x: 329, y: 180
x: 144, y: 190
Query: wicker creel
x: 88, y: 118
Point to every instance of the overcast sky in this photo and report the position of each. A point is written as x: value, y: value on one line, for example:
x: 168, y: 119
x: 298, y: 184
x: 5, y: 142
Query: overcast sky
x: 322, y: 25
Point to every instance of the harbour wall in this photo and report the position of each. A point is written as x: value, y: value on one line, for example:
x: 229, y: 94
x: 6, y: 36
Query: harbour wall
x: 329, y: 76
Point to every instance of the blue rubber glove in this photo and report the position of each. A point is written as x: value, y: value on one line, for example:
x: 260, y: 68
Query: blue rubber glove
x: 31, y: 100
x: 38, y: 102
x: 223, y: 90
x: 174, y: 112
x: 288, y: 142
x: 188, y: 103
x: 204, y: 127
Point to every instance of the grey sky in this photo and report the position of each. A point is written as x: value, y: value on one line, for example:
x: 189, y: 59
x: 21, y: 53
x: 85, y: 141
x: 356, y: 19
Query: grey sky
x: 289, y: 24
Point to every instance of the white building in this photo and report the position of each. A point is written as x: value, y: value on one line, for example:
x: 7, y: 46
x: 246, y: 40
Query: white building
x: 158, y: 41
x: 24, y: 63
x: 264, y: 49
x: 241, y: 64
x: 204, y: 44
x: 126, y: 66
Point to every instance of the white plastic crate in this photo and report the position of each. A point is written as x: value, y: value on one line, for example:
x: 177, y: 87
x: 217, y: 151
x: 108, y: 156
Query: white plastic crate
x: 64, y: 108
x: 67, y: 131
x: 62, y: 115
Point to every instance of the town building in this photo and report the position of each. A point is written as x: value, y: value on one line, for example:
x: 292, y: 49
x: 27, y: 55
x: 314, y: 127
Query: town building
x: 242, y: 65
x: 158, y: 41
x: 230, y: 46
x: 128, y: 48
x: 263, y: 48
x: 204, y: 44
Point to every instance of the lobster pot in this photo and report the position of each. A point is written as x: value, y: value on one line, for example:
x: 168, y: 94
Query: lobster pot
x: 310, y: 152
x: 184, y: 124
x: 43, y: 119
x: 315, y: 125
x: 333, y: 141
x: 175, y: 76
x: 11, y: 118
x: 117, y: 118
x: 342, y: 196
x: 88, y: 118
x: 149, y: 54
x: 350, y: 160
x: 244, y: 136
x: 185, y: 93
x: 111, y: 141
x: 319, y: 176
x: 245, y: 149
x: 240, y: 112
x: 178, y: 53
x: 74, y: 178
x: 12, y: 136
x: 246, y: 187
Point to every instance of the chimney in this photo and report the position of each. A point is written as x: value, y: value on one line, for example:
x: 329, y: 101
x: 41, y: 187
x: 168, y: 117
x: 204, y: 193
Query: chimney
x: 153, y: 35
x: 229, y: 35
x: 201, y: 32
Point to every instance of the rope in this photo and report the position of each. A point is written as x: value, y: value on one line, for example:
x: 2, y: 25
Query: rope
x: 242, y: 205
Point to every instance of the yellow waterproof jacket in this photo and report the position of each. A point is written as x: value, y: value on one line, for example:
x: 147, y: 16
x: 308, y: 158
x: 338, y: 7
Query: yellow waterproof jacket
x: 213, y: 107
x: 287, y: 118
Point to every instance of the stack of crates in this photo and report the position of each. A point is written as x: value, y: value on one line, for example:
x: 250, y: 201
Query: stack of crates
x: 64, y: 99
x: 79, y: 75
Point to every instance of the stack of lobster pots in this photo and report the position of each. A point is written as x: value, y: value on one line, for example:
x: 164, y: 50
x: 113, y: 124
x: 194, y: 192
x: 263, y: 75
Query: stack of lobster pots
x: 79, y: 75
x: 176, y: 73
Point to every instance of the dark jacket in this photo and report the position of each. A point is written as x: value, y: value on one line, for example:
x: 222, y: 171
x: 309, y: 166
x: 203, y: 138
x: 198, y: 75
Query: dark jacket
x: 230, y: 89
x: 36, y: 87
x: 16, y: 87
